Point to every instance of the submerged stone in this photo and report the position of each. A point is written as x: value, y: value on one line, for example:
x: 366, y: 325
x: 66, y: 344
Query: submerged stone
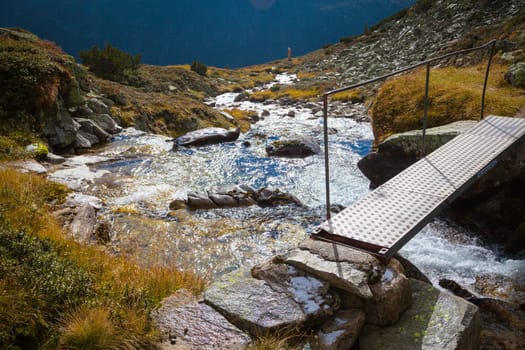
x: 207, y: 136
x: 235, y: 196
x: 296, y: 148
x: 436, y: 320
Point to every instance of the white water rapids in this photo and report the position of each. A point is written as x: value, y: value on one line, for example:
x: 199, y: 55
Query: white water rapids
x: 140, y: 171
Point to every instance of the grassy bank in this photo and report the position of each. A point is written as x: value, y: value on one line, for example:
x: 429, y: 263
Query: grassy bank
x: 455, y: 94
x: 56, y: 293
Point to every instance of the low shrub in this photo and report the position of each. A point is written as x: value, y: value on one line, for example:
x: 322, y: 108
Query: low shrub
x: 110, y: 62
x: 199, y: 68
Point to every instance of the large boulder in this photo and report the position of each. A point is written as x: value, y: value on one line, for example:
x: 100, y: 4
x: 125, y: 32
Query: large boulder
x: 98, y: 106
x: 89, y: 127
x: 294, y: 148
x: 436, y: 320
x: 106, y: 122
x: 186, y: 323
x: 495, y: 205
x: 515, y: 75
x: 207, y: 136
x: 252, y: 305
x: 345, y: 268
x: 57, y: 125
x: 502, y: 324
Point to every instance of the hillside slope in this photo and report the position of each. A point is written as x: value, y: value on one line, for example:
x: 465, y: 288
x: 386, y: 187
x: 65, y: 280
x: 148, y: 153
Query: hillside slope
x: 430, y: 28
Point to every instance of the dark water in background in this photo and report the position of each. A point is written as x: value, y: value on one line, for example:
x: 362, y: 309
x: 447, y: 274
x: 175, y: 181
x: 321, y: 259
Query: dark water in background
x: 225, y: 33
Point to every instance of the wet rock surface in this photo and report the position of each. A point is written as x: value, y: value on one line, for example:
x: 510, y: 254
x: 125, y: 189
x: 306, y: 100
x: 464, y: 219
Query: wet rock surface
x: 294, y: 148
x: 206, y: 136
x: 436, y: 320
x: 502, y: 325
x: 187, y: 323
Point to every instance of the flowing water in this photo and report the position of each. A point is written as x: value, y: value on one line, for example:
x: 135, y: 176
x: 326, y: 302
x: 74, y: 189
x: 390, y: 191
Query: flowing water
x: 137, y: 175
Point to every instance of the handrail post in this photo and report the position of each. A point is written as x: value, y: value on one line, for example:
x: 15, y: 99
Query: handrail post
x: 425, y: 111
x: 326, y: 159
x: 487, y: 79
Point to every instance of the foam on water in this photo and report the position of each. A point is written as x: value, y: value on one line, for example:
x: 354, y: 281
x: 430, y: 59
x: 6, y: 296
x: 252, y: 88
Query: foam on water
x: 439, y: 255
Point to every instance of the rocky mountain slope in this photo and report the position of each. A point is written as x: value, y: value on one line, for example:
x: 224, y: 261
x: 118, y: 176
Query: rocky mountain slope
x: 430, y: 28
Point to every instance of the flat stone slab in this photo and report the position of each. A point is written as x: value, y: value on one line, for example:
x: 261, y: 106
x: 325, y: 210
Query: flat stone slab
x: 252, y: 305
x: 336, y: 252
x: 189, y: 324
x: 314, y: 295
x: 340, y: 274
x: 27, y: 166
x: 436, y: 320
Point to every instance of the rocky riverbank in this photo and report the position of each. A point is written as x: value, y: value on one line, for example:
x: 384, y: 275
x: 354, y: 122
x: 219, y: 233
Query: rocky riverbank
x: 337, y: 295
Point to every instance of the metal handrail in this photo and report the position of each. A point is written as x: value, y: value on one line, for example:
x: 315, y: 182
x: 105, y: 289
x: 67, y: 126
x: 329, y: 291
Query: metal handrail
x: 491, y: 44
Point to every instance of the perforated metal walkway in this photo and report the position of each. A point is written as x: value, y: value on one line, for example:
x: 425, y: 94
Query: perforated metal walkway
x: 388, y: 217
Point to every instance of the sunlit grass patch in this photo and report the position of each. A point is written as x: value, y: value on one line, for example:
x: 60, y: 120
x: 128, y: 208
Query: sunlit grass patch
x: 306, y: 93
x: 455, y: 94
x: 354, y: 96
x: 243, y: 117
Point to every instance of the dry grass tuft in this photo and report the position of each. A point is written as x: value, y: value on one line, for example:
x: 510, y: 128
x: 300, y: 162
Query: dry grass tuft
x: 91, y: 328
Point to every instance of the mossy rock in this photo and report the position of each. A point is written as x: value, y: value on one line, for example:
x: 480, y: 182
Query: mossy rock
x: 515, y: 76
x: 38, y: 150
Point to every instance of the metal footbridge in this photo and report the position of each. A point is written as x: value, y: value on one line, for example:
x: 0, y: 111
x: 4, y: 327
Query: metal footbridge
x: 387, y: 218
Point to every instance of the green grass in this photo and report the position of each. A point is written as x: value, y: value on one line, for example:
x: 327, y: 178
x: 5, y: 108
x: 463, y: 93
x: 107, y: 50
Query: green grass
x: 50, y: 286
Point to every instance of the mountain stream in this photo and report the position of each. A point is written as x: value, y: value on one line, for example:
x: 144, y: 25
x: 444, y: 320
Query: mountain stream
x: 138, y: 174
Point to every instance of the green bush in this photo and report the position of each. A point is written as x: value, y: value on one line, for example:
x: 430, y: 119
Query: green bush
x: 199, y: 68
x: 110, y: 62
x: 30, y: 78
x: 36, y: 284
